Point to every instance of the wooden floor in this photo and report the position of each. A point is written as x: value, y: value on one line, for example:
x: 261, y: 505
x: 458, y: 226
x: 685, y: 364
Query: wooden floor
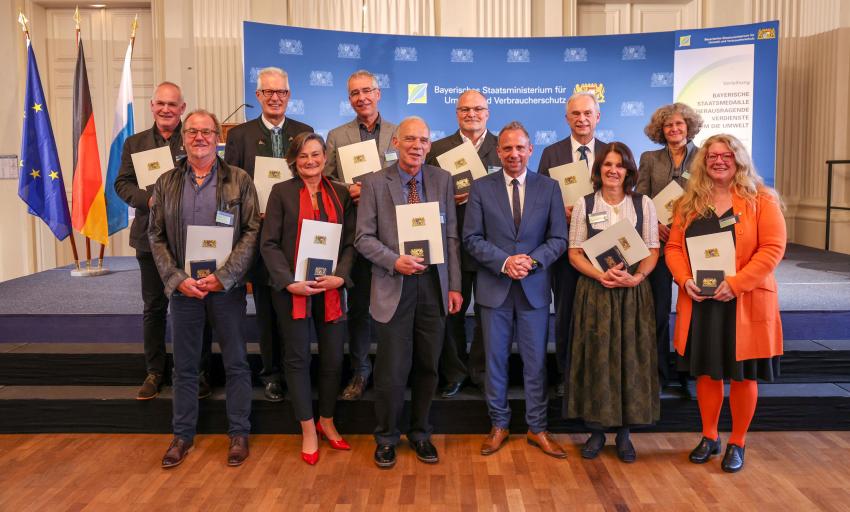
x: 792, y: 471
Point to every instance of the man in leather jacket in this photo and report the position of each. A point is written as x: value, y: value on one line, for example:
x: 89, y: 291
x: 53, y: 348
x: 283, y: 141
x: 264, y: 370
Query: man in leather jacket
x: 204, y: 191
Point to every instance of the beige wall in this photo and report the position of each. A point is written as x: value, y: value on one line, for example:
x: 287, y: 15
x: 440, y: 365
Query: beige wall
x: 198, y: 40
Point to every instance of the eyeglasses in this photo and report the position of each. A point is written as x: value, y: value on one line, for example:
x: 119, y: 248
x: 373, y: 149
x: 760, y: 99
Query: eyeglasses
x: 361, y: 92
x: 192, y: 132
x: 268, y: 93
x: 727, y: 157
x: 467, y: 110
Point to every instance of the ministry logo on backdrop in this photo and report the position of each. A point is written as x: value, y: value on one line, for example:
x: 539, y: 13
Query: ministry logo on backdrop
x: 462, y: 55
x: 345, y: 109
x: 575, y: 55
x: 405, y: 54
x: 417, y: 94
x: 254, y: 75
x: 348, y: 51
x: 631, y: 109
x: 684, y: 41
x: 321, y: 78
x: 295, y: 108
x: 604, y: 135
x: 519, y: 55
x: 545, y: 137
x: 383, y: 80
x: 636, y: 52
x: 661, y: 80
x: 290, y: 47
x: 596, y: 88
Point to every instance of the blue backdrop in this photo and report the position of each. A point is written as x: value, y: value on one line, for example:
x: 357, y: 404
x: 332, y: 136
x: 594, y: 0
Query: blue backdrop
x: 525, y: 79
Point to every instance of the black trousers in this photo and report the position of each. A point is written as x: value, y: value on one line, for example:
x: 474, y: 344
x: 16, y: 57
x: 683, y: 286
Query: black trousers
x: 154, y: 318
x: 661, y: 281
x: 331, y: 337
x: 455, y: 364
x: 271, y: 343
x: 409, y: 345
x: 359, y: 320
x: 564, y: 279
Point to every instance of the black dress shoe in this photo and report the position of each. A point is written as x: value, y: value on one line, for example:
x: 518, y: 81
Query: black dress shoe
x: 625, y: 449
x: 451, y: 389
x: 704, y: 450
x: 385, y: 456
x: 593, y: 445
x: 204, y: 388
x: 425, y: 451
x: 733, y: 460
x: 176, y: 452
x: 273, y: 392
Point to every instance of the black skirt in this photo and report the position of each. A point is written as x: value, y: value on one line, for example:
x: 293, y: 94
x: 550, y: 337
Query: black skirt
x: 710, y: 348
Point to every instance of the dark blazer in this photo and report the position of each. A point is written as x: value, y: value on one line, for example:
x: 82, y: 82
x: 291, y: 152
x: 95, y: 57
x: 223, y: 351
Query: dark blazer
x: 377, y: 235
x: 491, y: 237
x: 252, y: 139
x: 656, y: 170
x: 280, y: 232
x: 561, y: 153
x: 487, y: 153
x: 127, y: 187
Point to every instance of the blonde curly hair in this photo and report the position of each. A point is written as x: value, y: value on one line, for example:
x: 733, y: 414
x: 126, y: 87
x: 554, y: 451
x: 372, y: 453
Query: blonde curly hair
x: 655, y: 129
x: 697, y: 199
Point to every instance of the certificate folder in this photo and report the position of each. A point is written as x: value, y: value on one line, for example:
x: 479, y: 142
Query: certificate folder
x: 462, y: 182
x: 268, y: 172
x: 421, y: 221
x: 358, y: 159
x: 574, y: 180
x: 611, y: 258
x: 712, y: 252
x: 151, y: 164
x: 664, y: 202
x: 624, y: 237
x: 205, y: 244
x: 461, y: 159
x: 319, y: 241
x: 318, y: 267
x: 419, y: 249
x: 708, y: 281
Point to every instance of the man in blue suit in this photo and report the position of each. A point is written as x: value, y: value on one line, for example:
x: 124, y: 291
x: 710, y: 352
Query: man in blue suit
x: 515, y: 229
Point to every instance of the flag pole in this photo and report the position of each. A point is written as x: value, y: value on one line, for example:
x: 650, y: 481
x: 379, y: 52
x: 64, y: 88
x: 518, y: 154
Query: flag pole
x: 25, y: 27
x: 77, y: 31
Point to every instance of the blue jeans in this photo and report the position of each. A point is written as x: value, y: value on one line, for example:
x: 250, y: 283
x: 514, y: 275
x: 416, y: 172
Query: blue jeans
x: 226, y: 313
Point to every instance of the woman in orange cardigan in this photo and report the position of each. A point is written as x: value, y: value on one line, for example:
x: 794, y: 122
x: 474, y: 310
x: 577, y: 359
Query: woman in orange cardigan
x: 735, y: 334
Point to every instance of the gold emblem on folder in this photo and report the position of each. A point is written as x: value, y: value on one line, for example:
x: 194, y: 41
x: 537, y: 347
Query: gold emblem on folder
x: 460, y: 163
x: 570, y: 180
x: 624, y: 243
x: 204, y: 272
x: 669, y: 205
x: 709, y: 282
x: 320, y: 240
x: 417, y: 252
x: 359, y: 159
x: 209, y: 244
x: 321, y: 271
x: 274, y: 174
x: 463, y: 183
x: 712, y: 253
x: 153, y: 166
x: 418, y: 222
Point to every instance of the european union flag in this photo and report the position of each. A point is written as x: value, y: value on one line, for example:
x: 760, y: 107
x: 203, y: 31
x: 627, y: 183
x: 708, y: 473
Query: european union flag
x: 40, y: 184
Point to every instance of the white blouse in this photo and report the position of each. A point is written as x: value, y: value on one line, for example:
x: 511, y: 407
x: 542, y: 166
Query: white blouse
x: 616, y: 213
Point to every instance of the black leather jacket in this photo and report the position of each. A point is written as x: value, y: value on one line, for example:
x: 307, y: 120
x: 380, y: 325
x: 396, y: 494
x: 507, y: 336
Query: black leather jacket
x: 235, y: 193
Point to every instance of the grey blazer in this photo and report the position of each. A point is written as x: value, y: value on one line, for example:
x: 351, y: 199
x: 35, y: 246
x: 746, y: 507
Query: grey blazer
x: 349, y: 133
x: 656, y: 170
x: 376, y: 236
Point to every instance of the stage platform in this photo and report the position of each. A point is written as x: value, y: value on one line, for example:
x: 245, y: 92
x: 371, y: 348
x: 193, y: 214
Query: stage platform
x: 71, y: 360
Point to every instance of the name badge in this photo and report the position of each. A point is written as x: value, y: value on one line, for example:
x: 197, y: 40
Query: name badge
x: 442, y: 218
x: 686, y: 175
x: 390, y: 156
x: 493, y: 168
x: 596, y: 218
x: 728, y: 221
x: 224, y: 218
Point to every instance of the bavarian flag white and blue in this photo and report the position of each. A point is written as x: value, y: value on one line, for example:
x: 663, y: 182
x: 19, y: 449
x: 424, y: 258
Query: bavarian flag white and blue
x: 122, y: 128
x: 40, y: 182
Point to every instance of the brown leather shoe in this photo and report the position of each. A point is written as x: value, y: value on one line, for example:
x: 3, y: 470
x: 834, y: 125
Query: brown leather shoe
x: 176, y: 452
x: 494, y: 440
x: 355, y: 388
x: 546, y: 443
x: 238, y: 450
x: 150, y: 387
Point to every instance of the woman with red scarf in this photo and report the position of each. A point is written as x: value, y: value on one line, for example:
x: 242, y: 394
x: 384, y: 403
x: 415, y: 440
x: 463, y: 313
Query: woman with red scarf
x: 309, y: 195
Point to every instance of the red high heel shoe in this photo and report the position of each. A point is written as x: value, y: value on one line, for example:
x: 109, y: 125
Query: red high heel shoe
x: 336, y: 445
x: 310, y: 458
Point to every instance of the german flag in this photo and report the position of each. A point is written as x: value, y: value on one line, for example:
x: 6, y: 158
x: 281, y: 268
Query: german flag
x: 88, y: 212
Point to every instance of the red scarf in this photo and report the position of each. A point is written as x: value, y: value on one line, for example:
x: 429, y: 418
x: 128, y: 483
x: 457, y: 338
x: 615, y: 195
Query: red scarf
x: 333, y: 309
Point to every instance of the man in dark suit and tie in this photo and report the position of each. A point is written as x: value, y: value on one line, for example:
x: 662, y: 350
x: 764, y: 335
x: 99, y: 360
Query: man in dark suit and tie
x: 268, y: 135
x: 409, y: 300
x: 515, y: 229
x: 582, y: 117
x: 455, y: 366
x: 364, y: 94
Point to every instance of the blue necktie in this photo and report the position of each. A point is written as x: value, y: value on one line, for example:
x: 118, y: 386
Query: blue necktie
x: 583, y: 150
x: 516, y: 205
